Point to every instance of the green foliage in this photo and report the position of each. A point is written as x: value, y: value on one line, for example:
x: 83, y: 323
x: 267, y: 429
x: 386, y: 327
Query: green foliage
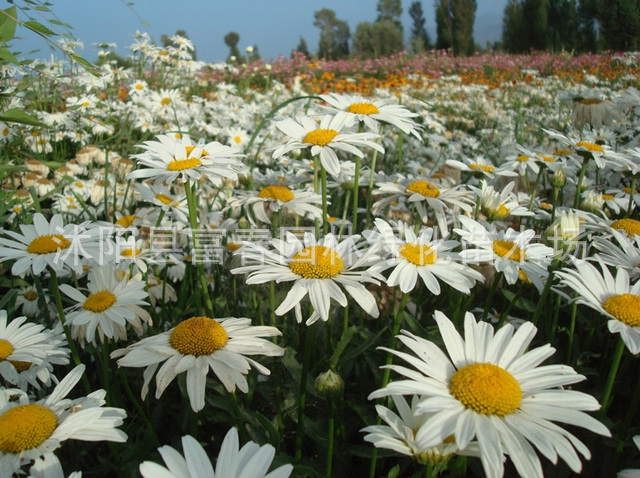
x: 444, y: 25
x: 302, y: 48
x: 419, y: 39
x: 620, y: 24
x: 463, y: 16
x: 334, y: 35
x: 231, y: 39
x: 373, y: 40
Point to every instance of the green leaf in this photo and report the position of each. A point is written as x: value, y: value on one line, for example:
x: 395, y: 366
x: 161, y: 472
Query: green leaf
x: 7, y: 56
x: 344, y: 340
x: 38, y: 28
x: 16, y: 115
x: 393, y: 472
x: 85, y: 63
x: 7, y: 24
x: 42, y: 9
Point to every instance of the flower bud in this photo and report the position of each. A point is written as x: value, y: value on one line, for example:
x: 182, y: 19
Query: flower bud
x: 559, y: 178
x: 329, y: 384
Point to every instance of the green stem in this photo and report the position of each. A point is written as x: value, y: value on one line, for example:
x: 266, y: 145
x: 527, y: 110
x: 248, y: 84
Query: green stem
x: 492, y: 291
x: 608, y: 387
x: 331, y: 426
x: 193, y: 220
x: 67, y: 333
x: 572, y: 328
x: 302, y: 395
x: 138, y: 406
x: 344, y: 212
x: 356, y: 179
x: 397, y: 321
x: 325, y: 214
x: 583, y: 170
x: 505, y: 314
x: 372, y: 172
x: 543, y: 298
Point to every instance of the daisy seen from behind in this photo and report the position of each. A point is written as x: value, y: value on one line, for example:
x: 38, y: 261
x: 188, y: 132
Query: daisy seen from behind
x: 614, y: 297
x: 324, y: 139
x: 113, y: 302
x: 34, y: 430
x: 421, y: 257
x: 249, y: 461
x: 317, y: 268
x: 491, y: 389
x: 197, y: 344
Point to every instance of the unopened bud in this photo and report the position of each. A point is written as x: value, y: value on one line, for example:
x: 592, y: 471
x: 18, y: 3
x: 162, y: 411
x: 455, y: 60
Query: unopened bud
x: 559, y: 178
x: 329, y: 384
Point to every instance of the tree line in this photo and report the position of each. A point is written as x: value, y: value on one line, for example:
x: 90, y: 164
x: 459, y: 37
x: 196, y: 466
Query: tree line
x: 528, y: 25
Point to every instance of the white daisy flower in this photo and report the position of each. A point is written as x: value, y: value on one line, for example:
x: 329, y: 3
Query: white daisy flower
x: 624, y: 253
x: 615, y: 298
x: 197, y: 344
x: 480, y: 167
x: 491, y: 389
x: 421, y: 257
x: 400, y: 432
x: 316, y: 268
x: 34, y: 430
x: 497, y: 206
x: 424, y: 195
x: 356, y: 109
x: 276, y: 198
x: 171, y: 157
x: 509, y: 251
x: 250, y: 461
x: 27, y: 300
x: 50, y: 244
x: 324, y: 139
x: 631, y: 472
x: 113, y: 302
x: 25, y: 346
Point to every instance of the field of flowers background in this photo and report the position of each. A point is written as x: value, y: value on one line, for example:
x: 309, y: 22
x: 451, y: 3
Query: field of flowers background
x: 189, y: 249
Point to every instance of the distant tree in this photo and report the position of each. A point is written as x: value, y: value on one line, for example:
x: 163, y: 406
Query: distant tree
x: 373, y: 40
x: 463, y: 16
x: 231, y: 39
x: 391, y: 11
x: 419, y: 39
x: 536, y: 30
x: 512, y: 27
x: 562, y: 17
x: 302, y: 48
x: 587, y: 18
x: 444, y: 26
x: 334, y: 35
x: 620, y: 24
x: 252, y: 53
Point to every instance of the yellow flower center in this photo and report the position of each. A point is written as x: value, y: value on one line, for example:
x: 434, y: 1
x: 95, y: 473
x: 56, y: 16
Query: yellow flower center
x: 562, y: 152
x: 522, y: 158
x: 546, y: 205
x: 281, y: 193
x: 47, y: 244
x: 126, y: 221
x: 237, y: 139
x: 486, y: 388
x: 131, y: 252
x: 424, y: 188
x: 25, y: 427
x: 233, y: 246
x: 316, y: 262
x: 607, y: 197
x: 630, y: 226
x: 6, y: 349
x: 627, y: 190
x: 418, y: 254
x: 163, y: 198
x: 590, y: 101
x: 182, y: 164
x: 198, y: 336
x: 20, y: 366
x: 497, y: 214
x: 165, y: 101
x: 548, y: 159
x: 509, y: 250
x: 625, y: 308
x: 320, y: 137
x: 593, y: 147
x: 363, y: 109
x: 30, y: 295
x: 100, y: 301
x: 483, y: 167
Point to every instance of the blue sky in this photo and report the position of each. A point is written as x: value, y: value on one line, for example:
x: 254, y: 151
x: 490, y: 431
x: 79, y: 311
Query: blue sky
x: 274, y: 25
